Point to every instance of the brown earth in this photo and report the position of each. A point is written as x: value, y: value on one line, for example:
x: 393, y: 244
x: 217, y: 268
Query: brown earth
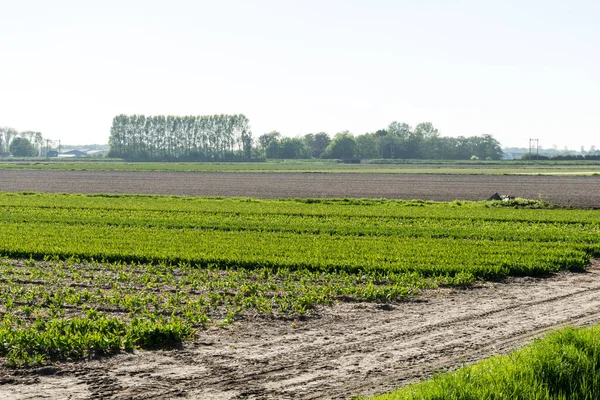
x: 579, y: 191
x: 349, y: 349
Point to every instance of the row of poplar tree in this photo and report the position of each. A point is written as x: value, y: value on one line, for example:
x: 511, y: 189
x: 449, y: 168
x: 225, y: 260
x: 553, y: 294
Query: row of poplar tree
x: 181, y: 138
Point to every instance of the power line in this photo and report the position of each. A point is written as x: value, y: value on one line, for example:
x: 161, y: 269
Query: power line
x: 537, y: 148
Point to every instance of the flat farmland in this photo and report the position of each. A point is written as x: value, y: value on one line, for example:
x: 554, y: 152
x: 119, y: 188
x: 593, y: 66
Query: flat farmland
x: 141, y: 297
x: 576, y: 191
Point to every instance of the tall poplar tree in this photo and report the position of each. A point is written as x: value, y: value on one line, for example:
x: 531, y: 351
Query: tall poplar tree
x: 171, y: 138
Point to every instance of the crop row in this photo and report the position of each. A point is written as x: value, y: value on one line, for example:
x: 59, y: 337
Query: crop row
x: 69, y: 310
x: 397, y: 226
x: 532, y: 211
x: 250, y: 249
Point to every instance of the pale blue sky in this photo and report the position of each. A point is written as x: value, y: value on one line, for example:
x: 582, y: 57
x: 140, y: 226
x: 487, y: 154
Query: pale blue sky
x: 513, y: 69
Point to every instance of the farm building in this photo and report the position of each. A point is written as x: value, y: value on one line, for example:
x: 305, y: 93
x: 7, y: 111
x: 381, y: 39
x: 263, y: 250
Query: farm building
x: 73, y: 154
x: 82, y: 153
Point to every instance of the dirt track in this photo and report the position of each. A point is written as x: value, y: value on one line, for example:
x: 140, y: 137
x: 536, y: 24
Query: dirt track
x: 351, y: 349
x: 577, y: 191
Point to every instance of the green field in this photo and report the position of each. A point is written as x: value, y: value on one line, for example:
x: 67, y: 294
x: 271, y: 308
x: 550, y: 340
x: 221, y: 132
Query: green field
x: 324, y: 166
x: 95, y: 274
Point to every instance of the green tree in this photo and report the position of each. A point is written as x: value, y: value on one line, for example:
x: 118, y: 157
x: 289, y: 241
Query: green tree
x: 487, y: 148
x: 189, y: 138
x: 366, y: 146
x: 342, y: 146
x: 22, y: 147
x: 317, y: 143
x: 389, y: 146
x: 415, y: 145
x: 293, y: 148
x: 6, y: 135
x: 463, y: 148
x: 269, y: 143
x: 425, y: 130
x: 440, y: 148
x: 399, y: 141
x: 35, y: 138
x: 399, y: 129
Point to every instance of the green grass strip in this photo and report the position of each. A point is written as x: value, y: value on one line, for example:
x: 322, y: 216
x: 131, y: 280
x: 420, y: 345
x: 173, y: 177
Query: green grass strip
x: 564, y: 365
x: 479, y: 167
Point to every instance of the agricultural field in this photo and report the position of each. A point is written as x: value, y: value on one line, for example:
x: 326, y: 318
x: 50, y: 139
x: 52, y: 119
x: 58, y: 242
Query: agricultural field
x: 576, y: 191
x: 505, y: 167
x: 126, y: 296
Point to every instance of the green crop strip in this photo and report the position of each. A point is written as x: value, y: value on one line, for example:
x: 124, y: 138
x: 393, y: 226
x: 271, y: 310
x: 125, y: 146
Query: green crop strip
x: 564, y: 365
x: 505, y: 167
x: 56, y: 310
x: 106, y: 273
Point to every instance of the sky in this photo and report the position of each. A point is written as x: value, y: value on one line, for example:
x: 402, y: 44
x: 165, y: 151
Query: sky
x: 512, y: 69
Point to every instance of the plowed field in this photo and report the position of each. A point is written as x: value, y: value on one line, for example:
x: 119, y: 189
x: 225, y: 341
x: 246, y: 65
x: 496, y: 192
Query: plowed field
x: 578, y: 191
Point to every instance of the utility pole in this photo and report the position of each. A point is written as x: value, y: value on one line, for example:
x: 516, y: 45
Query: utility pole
x: 537, y: 151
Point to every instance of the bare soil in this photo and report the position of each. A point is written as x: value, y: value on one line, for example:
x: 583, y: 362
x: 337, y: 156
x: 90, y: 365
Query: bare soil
x: 349, y: 349
x: 577, y: 191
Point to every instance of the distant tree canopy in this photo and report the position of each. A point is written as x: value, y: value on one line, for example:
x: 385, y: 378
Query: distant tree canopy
x: 228, y: 138
x: 317, y: 143
x: 398, y: 141
x: 561, y: 157
x: 177, y: 138
x: 22, y: 147
x: 342, y: 146
x: 32, y: 146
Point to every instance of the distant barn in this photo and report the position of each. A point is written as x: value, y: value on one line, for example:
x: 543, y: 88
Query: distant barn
x: 73, y: 154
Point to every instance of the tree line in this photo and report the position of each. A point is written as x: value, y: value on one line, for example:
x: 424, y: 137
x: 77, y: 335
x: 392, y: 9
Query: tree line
x: 20, y: 144
x: 181, y: 138
x: 561, y: 157
x: 397, y: 141
x: 228, y: 138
